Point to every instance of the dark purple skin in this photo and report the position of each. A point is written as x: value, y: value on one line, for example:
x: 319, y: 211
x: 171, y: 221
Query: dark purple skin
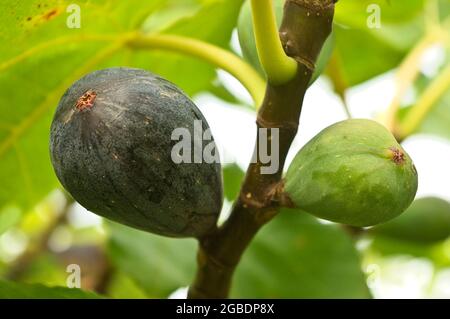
x: 113, y: 154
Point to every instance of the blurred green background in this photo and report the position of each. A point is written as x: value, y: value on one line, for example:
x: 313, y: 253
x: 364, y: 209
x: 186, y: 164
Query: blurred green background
x: 374, y: 71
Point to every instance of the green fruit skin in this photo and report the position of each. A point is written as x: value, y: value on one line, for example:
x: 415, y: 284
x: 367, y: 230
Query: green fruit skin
x: 347, y: 174
x: 427, y: 220
x: 248, y: 43
x: 115, y: 157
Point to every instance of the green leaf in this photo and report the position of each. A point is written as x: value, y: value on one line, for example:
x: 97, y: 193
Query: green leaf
x: 37, y: 291
x: 157, y: 264
x: 232, y: 179
x: 220, y: 91
x: 364, y: 51
x: 41, y: 57
x: 437, y: 120
x: 44, y: 269
x: 9, y: 216
x: 123, y: 287
x: 355, y: 13
x: 388, y: 246
x: 427, y: 220
x: 422, y: 231
x: 444, y: 9
x: 295, y: 256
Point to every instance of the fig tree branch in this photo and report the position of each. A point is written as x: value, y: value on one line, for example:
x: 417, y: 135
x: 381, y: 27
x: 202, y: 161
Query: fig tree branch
x: 217, y: 56
x: 305, y: 27
x: 279, y: 67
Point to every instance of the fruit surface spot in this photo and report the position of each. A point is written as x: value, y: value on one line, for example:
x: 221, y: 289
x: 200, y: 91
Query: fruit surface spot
x: 86, y: 101
x: 397, y: 156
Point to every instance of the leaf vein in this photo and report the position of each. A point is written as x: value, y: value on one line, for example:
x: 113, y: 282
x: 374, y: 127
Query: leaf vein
x: 27, y: 122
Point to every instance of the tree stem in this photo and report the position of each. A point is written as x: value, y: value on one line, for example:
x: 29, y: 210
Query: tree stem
x: 217, y: 56
x: 306, y: 25
x: 279, y: 67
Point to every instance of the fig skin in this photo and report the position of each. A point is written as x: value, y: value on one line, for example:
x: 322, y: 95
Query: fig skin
x: 248, y: 43
x: 353, y: 172
x: 426, y: 221
x: 113, y: 154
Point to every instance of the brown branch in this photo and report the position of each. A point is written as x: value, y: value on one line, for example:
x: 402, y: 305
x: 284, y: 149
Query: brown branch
x: 306, y: 25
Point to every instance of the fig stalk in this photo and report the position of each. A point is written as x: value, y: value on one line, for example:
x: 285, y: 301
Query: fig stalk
x: 279, y: 67
x: 220, y: 252
x: 217, y: 56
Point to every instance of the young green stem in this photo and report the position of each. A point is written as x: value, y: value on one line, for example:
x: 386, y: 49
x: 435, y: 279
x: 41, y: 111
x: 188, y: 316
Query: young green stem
x: 217, y: 56
x: 340, y: 85
x: 306, y: 25
x: 279, y: 67
x: 428, y: 99
x: 407, y: 74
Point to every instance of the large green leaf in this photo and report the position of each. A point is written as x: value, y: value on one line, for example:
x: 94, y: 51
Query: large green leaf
x: 232, y: 180
x: 354, y: 13
x: 41, y: 57
x: 36, y: 291
x: 365, y: 52
x: 122, y: 287
x: 158, y: 264
x: 9, y: 216
x: 295, y: 256
x: 381, y: 246
x: 426, y: 221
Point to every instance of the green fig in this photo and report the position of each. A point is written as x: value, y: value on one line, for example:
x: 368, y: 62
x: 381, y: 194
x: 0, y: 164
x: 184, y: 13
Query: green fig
x: 427, y: 220
x: 248, y: 43
x: 353, y: 172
